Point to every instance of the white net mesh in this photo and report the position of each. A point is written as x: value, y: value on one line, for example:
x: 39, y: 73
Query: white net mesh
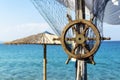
x: 112, y: 12
x: 53, y: 12
x: 98, y: 11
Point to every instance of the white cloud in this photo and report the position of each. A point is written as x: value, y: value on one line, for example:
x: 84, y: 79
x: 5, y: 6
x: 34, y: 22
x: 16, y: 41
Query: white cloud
x: 115, y: 2
x: 22, y: 30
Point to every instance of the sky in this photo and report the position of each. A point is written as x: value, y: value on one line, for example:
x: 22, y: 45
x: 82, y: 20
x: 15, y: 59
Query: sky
x: 19, y: 18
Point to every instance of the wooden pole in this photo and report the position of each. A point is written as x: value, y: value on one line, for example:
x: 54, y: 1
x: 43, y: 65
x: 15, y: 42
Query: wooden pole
x: 45, y: 64
x: 81, y: 70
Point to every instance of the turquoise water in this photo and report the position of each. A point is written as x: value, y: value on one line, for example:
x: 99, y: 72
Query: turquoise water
x: 24, y: 62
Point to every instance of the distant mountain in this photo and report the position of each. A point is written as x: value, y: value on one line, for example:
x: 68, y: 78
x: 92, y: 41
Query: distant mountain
x: 47, y: 32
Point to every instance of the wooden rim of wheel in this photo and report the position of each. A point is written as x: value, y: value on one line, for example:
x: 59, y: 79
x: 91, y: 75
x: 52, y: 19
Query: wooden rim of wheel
x: 95, y: 46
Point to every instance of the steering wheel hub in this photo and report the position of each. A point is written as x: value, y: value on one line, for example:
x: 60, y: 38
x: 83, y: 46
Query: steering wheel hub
x: 80, y: 39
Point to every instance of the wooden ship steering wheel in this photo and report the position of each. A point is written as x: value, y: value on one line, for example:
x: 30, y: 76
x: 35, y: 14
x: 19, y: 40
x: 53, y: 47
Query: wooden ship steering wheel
x: 80, y: 39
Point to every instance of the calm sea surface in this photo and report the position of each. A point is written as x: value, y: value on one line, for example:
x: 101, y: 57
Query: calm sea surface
x: 24, y: 62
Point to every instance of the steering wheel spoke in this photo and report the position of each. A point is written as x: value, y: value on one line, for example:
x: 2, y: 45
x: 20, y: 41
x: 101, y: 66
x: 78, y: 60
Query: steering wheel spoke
x: 74, y: 29
x: 84, y: 47
x: 85, y: 29
x: 76, y: 46
x: 90, y: 38
x: 70, y: 39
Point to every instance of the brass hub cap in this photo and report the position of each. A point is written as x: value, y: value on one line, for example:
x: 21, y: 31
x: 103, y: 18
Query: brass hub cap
x: 80, y: 38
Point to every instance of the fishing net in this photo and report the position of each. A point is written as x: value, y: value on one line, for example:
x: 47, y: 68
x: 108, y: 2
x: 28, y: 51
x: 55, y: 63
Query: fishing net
x: 98, y: 11
x: 112, y: 12
x: 54, y: 12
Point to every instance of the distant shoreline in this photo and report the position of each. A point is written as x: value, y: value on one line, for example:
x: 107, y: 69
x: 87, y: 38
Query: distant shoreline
x: 41, y: 44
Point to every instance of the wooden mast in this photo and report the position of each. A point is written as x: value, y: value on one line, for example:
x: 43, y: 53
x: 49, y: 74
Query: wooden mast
x: 81, y: 70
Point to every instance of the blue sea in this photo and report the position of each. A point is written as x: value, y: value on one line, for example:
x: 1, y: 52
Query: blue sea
x: 25, y: 62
